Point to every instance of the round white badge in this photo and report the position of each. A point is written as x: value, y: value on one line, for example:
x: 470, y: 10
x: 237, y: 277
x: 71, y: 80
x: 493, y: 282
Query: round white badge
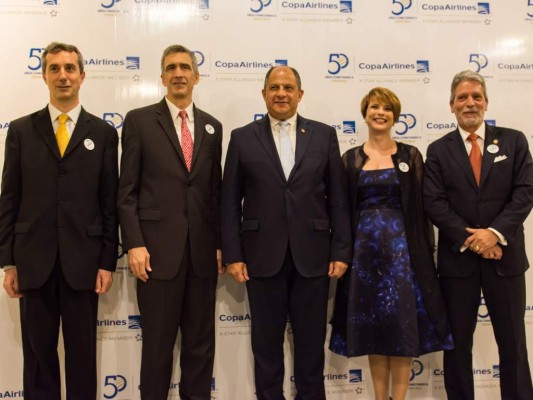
x: 403, y: 167
x: 209, y: 129
x: 89, y: 144
x: 493, y: 149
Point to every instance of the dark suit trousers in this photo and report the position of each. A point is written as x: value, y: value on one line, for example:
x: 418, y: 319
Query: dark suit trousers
x: 304, y: 300
x: 505, y: 301
x: 41, y: 311
x: 187, y: 303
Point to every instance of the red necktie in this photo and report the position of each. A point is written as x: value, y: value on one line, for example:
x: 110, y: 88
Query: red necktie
x: 186, y: 140
x: 475, y: 156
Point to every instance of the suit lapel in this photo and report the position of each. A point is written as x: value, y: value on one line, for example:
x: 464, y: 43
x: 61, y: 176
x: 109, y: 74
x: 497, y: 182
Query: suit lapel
x: 199, y: 132
x: 458, y: 151
x: 488, y: 157
x: 82, y: 129
x: 263, y: 132
x: 165, y: 121
x: 303, y: 135
x: 43, y: 125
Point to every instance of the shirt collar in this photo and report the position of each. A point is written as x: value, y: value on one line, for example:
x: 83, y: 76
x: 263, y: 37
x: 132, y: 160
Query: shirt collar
x: 480, y: 132
x: 291, y: 120
x: 174, y: 111
x: 72, y: 114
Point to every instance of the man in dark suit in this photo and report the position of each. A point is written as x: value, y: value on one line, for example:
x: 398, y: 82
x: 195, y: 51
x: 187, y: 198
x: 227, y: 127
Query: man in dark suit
x: 59, y: 228
x: 478, y: 190
x: 169, y: 205
x: 286, y: 230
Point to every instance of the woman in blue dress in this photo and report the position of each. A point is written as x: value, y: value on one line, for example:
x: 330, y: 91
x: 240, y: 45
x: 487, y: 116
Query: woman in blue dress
x: 389, y: 305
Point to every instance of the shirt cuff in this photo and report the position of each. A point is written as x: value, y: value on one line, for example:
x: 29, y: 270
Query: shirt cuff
x: 6, y: 267
x: 501, y: 238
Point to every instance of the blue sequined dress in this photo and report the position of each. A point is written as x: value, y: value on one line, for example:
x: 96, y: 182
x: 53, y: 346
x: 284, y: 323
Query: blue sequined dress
x: 385, y: 310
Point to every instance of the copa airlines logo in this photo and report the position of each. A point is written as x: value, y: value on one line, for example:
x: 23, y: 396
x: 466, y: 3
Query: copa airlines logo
x: 419, y: 374
x: 439, y: 126
x: 314, y: 7
x: 200, y: 57
x: 479, y: 373
x: 133, y: 322
x: 405, y: 123
x: 259, y: 6
x: 11, y: 394
x: 420, y: 66
x: 479, y: 61
x: 337, y: 62
x: 247, y: 65
x: 128, y: 63
x: 235, y: 318
x: 339, y: 66
x: 456, y: 8
x: 34, y: 61
x: 516, y: 67
x: 259, y: 116
x: 113, y: 385
x: 416, y: 369
x: 50, y: 2
x: 116, y: 120
x: 529, y: 10
x: 4, y: 125
x: 355, y: 376
x: 400, y: 6
x: 346, y: 128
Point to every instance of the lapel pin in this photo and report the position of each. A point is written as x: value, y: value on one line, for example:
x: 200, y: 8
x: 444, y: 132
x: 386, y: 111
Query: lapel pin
x: 302, y: 130
x: 209, y: 129
x: 89, y: 144
x: 495, y: 141
x: 403, y: 167
x: 493, y: 149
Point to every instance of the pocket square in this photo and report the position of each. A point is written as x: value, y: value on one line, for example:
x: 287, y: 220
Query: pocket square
x: 500, y: 158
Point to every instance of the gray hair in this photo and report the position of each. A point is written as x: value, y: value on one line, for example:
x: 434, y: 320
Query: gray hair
x: 177, y: 48
x: 467, y: 75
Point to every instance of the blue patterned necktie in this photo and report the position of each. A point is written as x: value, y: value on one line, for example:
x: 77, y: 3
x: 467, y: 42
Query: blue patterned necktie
x: 286, y: 153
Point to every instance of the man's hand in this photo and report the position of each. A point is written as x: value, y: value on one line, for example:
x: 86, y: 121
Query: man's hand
x: 221, y: 268
x: 238, y: 271
x: 139, y: 262
x: 337, y: 269
x: 11, y: 283
x: 480, y: 240
x: 493, y: 253
x: 104, y: 279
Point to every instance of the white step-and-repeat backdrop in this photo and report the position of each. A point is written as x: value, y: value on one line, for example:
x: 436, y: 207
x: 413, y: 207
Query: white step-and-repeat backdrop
x: 342, y: 48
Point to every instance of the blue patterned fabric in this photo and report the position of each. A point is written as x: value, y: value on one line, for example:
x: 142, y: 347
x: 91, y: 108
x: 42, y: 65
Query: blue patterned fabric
x: 385, y: 313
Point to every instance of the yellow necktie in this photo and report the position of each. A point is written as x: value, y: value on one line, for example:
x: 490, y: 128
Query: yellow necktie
x: 62, y: 133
